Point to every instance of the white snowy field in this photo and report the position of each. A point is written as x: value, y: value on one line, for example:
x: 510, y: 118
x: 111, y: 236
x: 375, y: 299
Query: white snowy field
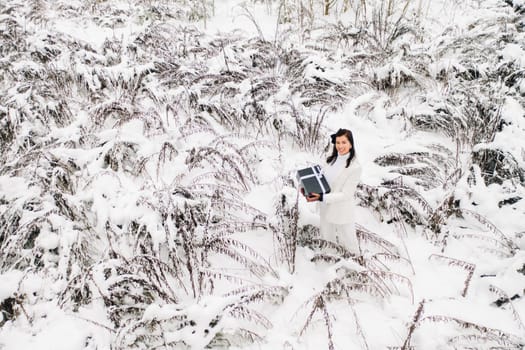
x: 148, y: 155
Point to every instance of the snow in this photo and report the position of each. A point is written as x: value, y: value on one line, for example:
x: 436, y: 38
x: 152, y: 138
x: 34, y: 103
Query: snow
x: 231, y: 16
x: 56, y: 330
x: 71, y: 265
x: 9, y: 285
x: 514, y: 53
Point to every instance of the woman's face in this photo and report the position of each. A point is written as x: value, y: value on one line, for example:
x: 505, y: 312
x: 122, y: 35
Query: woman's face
x: 342, y: 144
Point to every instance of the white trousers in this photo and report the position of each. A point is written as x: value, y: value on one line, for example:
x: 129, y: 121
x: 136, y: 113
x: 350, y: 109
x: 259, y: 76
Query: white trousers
x: 343, y: 234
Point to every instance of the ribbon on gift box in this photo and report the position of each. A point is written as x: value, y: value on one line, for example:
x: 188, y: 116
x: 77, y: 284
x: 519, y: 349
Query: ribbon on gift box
x: 318, y: 174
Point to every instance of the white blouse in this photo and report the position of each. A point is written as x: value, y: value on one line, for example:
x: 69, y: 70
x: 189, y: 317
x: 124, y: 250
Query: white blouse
x: 332, y: 171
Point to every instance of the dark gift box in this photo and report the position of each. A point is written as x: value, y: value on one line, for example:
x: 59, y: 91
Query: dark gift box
x: 313, y: 180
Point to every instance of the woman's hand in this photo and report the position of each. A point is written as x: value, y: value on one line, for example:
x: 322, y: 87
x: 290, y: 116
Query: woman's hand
x: 313, y: 197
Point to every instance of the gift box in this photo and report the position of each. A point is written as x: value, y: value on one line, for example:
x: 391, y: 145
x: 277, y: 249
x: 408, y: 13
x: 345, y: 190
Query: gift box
x: 313, y: 180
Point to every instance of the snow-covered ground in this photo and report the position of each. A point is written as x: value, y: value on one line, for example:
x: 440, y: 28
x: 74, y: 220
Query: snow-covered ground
x: 146, y: 184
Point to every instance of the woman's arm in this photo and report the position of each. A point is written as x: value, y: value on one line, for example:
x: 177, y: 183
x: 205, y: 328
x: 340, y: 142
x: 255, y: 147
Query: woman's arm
x: 348, y: 190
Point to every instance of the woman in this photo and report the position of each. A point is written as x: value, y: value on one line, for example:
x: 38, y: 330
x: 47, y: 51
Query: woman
x: 342, y: 172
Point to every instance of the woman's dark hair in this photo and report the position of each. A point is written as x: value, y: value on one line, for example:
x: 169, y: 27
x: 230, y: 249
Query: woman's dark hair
x: 342, y: 132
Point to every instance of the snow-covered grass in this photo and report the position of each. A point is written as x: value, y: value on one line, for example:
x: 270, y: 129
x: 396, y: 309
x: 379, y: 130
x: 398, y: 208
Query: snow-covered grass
x: 149, y: 150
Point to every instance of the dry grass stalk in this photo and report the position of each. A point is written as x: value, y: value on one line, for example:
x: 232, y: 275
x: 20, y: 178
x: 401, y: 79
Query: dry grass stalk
x: 319, y: 243
x: 467, y: 267
x: 402, y: 234
x: 382, y: 259
x: 390, y: 281
x: 482, y: 330
x: 504, y: 296
x: 286, y: 230
x: 365, y: 235
x: 415, y: 323
x: 319, y: 304
x: 511, y: 246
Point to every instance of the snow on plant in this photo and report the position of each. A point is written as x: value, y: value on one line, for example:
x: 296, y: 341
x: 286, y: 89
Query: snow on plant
x: 130, y: 163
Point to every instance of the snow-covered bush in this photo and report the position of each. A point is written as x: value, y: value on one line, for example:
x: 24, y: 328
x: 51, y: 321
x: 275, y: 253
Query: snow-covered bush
x: 146, y: 176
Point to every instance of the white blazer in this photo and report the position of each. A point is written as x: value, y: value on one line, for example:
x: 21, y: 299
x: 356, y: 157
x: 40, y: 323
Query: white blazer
x: 338, y: 206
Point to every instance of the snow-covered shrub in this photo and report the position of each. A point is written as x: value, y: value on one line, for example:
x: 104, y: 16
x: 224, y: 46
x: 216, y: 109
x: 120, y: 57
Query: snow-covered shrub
x: 133, y: 162
x: 286, y: 228
x: 497, y: 166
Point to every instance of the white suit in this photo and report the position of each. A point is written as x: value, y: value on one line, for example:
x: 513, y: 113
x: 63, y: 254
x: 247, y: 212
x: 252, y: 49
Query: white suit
x: 337, y: 210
